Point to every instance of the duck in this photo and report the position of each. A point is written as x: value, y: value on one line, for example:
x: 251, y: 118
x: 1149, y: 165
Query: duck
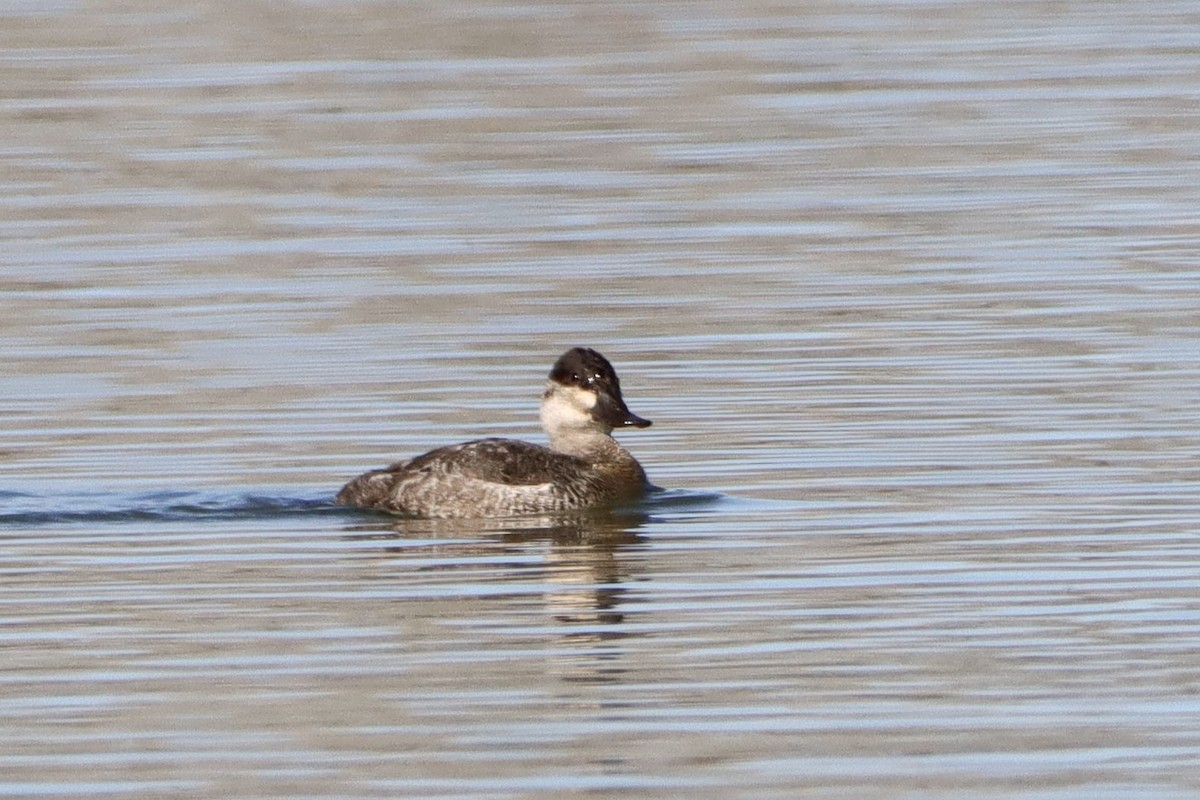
x: 583, y: 467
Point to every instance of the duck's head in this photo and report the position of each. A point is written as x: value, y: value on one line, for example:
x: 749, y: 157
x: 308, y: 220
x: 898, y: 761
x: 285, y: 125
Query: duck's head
x: 584, y: 395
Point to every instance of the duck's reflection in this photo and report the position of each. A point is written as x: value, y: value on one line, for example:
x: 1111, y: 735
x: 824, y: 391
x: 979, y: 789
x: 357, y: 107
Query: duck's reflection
x: 577, y: 567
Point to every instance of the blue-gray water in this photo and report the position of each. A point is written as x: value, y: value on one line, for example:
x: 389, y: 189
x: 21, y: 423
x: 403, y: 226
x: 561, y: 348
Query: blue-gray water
x: 910, y: 290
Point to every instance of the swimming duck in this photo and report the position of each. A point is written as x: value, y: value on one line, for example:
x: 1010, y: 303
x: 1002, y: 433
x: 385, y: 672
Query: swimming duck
x: 583, y: 466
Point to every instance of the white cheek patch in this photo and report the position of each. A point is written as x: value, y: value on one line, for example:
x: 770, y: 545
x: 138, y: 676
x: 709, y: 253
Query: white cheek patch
x: 567, y: 407
x: 582, y: 398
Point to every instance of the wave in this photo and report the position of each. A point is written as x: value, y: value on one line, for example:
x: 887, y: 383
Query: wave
x: 19, y: 508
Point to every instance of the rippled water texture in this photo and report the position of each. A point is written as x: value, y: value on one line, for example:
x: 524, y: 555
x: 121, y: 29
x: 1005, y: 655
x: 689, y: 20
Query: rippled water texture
x: 910, y: 290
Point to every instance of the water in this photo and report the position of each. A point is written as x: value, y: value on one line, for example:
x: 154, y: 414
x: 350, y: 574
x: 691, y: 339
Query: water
x: 909, y: 289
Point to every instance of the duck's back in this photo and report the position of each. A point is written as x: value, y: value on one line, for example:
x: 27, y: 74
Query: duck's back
x: 495, y: 477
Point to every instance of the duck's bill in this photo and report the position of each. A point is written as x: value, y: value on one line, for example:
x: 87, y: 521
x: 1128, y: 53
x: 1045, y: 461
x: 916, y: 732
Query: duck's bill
x: 615, y: 414
x: 634, y: 421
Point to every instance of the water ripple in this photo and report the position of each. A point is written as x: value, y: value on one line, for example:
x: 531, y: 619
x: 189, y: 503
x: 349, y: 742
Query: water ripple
x: 27, y: 510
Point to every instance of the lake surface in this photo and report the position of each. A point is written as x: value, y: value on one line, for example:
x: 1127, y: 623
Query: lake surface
x: 910, y: 290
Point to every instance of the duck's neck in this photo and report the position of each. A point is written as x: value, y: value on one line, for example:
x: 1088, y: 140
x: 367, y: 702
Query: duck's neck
x: 591, y: 445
